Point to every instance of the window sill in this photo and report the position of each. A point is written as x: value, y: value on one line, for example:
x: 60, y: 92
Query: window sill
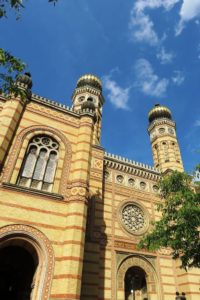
x: 31, y: 191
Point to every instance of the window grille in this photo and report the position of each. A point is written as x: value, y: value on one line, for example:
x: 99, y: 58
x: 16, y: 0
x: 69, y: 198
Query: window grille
x: 39, y: 165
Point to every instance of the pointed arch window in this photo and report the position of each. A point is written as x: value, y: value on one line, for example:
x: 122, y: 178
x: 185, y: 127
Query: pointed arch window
x: 40, y: 162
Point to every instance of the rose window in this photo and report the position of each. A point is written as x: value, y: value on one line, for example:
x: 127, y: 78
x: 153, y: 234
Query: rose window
x: 133, y: 218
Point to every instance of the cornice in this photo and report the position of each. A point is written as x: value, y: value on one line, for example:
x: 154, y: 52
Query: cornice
x: 161, y: 122
x: 88, y: 89
x: 128, y: 166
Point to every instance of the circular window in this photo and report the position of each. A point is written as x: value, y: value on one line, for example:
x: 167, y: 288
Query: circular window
x: 143, y: 185
x: 133, y: 218
x: 155, y: 188
x: 131, y: 182
x: 161, y: 130
x: 171, y: 131
x: 46, y: 141
x: 106, y: 174
x: 120, y: 178
x: 80, y: 99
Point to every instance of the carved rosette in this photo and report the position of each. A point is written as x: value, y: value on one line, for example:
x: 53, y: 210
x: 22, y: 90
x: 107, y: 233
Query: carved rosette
x: 134, y: 218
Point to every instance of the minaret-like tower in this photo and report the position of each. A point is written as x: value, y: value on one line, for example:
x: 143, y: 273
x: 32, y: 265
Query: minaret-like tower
x: 165, y: 148
x: 88, y: 94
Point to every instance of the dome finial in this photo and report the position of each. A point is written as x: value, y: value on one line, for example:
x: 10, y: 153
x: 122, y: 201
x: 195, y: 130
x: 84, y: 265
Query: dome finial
x: 91, y: 80
x: 159, y: 111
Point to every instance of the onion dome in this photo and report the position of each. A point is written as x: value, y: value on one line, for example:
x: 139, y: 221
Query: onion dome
x: 88, y: 105
x: 25, y: 79
x: 158, y: 112
x: 91, y: 80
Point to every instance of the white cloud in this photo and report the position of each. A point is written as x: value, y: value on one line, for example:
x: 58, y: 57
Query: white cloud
x: 190, y: 9
x: 141, y: 26
x: 142, y: 29
x: 117, y: 95
x: 178, y: 78
x: 148, y: 82
x: 164, y: 56
x: 141, y: 5
x: 197, y: 123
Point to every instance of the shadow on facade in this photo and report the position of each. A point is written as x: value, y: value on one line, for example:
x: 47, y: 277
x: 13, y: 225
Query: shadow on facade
x: 94, y: 269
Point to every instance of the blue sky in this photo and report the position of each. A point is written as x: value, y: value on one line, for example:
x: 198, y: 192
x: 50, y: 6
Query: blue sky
x: 145, y: 51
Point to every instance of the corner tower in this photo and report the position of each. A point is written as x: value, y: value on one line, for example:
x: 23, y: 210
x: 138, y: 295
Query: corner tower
x: 162, y: 131
x: 88, y: 94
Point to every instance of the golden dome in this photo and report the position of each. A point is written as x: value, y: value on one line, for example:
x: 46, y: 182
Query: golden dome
x: 159, y: 111
x: 89, y: 79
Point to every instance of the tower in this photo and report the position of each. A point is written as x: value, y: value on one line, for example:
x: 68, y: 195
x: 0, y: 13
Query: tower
x: 162, y: 131
x: 12, y: 113
x: 88, y: 94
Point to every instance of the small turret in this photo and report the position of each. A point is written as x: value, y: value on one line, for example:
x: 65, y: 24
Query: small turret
x: 162, y: 131
x: 88, y: 94
x: 24, y: 82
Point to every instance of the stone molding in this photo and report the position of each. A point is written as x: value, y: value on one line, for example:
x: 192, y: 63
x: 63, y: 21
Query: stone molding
x: 130, y: 167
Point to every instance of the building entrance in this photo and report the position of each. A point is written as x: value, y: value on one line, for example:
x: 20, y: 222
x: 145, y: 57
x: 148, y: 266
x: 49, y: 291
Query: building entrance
x: 17, y: 269
x: 135, y: 284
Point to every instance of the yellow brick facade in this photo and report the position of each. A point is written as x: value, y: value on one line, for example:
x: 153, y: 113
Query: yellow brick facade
x: 75, y: 233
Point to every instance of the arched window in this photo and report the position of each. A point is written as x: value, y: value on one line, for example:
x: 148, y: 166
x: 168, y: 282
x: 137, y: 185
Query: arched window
x: 39, y: 165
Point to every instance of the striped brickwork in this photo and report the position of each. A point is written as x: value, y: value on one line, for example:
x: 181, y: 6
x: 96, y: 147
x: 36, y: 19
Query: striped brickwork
x: 87, y: 248
x: 60, y: 216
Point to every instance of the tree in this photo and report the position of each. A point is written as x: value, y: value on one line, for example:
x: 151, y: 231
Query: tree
x: 15, y: 5
x: 10, y: 66
x: 179, y: 226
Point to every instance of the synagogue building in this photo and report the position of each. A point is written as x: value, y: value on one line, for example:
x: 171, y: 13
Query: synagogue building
x: 71, y: 214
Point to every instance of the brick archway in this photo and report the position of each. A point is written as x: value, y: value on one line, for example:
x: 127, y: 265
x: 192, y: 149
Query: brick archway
x: 151, y: 276
x: 38, y: 244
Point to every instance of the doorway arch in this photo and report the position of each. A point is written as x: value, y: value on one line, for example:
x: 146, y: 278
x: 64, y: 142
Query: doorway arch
x: 136, y: 276
x: 17, y: 269
x: 21, y: 244
x: 135, y: 284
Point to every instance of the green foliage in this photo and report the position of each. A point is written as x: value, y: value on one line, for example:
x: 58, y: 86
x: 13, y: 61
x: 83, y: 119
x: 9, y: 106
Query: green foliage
x: 10, y: 68
x: 15, y: 5
x: 7, y: 4
x: 179, y: 226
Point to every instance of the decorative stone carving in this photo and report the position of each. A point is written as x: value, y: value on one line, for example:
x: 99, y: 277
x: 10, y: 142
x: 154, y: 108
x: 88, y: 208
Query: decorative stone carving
x: 120, y: 178
x: 142, y: 185
x: 106, y: 175
x: 131, y: 182
x: 161, y: 130
x: 133, y: 218
x: 155, y: 188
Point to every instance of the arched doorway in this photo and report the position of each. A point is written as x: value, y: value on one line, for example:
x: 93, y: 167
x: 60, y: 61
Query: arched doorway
x: 137, y: 273
x: 17, y: 269
x: 26, y: 251
x: 135, y: 284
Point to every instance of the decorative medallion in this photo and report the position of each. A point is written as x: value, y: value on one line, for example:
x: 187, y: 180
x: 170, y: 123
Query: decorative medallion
x: 171, y: 131
x: 134, y: 218
x: 106, y: 175
x: 120, y: 178
x: 131, y: 182
x: 155, y: 188
x: 161, y: 130
x: 142, y: 185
